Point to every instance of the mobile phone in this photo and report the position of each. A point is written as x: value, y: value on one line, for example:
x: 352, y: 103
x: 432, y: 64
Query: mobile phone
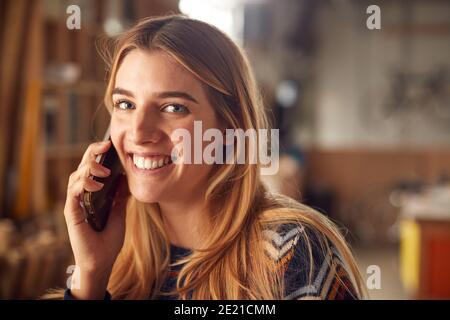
x: 97, y: 205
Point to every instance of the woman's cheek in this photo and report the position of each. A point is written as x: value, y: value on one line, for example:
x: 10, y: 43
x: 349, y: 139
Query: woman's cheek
x: 118, y: 120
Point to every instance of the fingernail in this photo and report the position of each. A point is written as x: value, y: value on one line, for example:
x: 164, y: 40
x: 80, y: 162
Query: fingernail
x: 99, y: 183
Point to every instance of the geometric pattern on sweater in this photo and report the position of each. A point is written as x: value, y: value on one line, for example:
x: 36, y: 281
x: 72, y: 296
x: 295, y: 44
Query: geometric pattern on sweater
x: 288, y: 248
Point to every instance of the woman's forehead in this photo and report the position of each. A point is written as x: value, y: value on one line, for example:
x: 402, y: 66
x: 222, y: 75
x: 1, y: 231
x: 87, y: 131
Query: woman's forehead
x: 145, y: 70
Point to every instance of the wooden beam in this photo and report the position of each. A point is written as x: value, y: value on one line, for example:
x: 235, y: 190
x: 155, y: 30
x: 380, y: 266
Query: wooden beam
x: 31, y: 184
x: 11, y: 47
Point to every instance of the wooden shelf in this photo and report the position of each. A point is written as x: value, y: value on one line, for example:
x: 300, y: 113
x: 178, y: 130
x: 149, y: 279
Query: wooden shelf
x: 66, y: 151
x: 85, y: 87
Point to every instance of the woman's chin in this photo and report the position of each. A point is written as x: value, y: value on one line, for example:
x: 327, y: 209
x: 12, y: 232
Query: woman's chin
x: 145, y: 196
x: 146, y: 199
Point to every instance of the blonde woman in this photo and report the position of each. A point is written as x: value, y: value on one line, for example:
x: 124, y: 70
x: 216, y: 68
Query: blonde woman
x: 194, y: 231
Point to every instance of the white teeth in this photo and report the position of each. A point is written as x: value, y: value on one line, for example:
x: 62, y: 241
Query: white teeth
x: 149, y: 164
x: 140, y: 162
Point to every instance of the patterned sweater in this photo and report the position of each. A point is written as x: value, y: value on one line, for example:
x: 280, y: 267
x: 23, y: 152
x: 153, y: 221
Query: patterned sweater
x: 289, y: 249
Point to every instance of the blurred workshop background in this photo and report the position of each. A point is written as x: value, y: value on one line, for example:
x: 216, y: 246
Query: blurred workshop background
x: 364, y: 118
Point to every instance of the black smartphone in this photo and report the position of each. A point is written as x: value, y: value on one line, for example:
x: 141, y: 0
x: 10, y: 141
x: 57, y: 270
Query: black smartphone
x: 97, y: 205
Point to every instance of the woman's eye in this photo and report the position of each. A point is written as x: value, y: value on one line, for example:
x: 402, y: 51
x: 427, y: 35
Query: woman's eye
x: 176, y: 108
x: 124, y: 105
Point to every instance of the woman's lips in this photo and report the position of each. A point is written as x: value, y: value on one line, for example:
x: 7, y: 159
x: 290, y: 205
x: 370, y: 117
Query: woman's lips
x: 151, y: 162
x: 156, y: 165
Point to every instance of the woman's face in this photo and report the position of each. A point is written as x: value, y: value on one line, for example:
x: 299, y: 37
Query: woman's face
x: 154, y: 95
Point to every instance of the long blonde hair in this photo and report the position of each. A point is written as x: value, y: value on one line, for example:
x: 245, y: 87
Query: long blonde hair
x: 232, y: 264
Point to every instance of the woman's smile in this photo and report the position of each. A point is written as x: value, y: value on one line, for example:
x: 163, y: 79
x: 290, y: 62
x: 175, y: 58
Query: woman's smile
x: 149, y: 166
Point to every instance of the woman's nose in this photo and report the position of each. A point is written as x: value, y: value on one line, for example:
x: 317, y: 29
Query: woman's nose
x: 146, y: 128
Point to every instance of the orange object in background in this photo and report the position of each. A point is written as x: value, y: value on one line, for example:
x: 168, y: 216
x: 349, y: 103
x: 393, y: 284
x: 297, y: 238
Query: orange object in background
x: 435, y: 274
x: 425, y: 248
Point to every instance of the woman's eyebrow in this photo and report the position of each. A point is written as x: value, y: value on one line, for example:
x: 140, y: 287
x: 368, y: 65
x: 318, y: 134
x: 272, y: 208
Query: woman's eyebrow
x: 162, y: 95
x: 176, y: 94
x: 122, y: 91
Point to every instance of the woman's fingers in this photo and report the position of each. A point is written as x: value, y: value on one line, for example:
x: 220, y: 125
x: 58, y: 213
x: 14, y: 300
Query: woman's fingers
x: 82, y: 180
x: 92, y: 168
x: 95, y: 149
x: 75, y: 194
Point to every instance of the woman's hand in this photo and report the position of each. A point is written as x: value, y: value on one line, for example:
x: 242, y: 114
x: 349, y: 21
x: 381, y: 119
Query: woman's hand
x: 94, y: 252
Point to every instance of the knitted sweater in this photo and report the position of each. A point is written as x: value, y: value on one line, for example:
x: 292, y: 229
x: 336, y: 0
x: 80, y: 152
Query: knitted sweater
x: 289, y: 249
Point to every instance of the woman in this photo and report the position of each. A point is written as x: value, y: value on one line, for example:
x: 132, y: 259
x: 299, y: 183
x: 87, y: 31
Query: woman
x: 194, y: 231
